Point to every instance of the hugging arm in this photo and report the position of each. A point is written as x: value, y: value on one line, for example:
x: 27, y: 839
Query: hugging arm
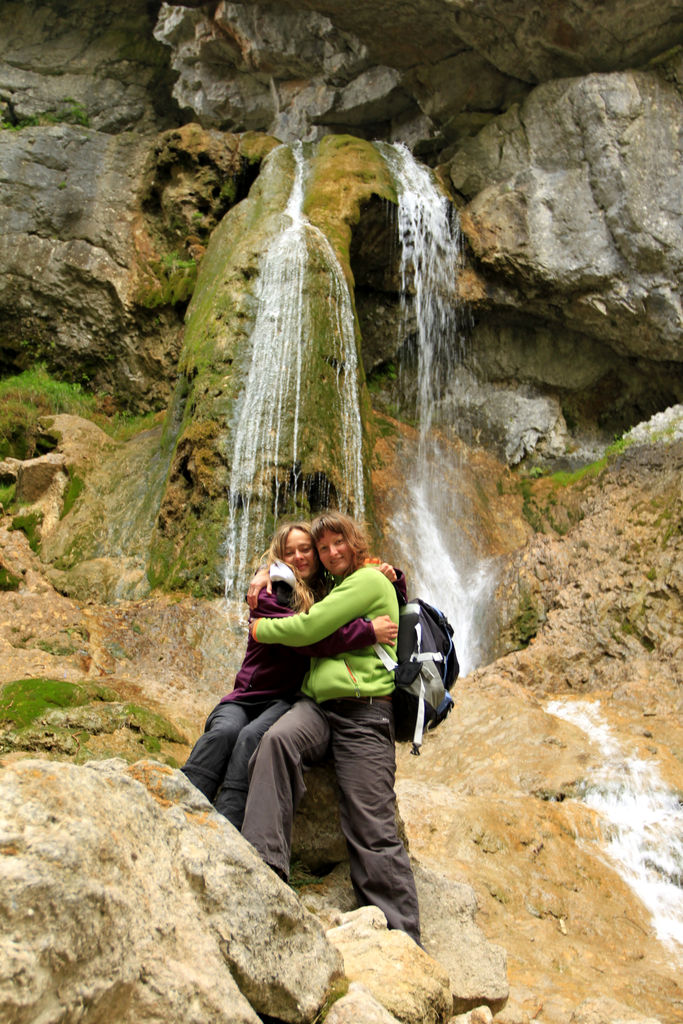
x: 351, y: 599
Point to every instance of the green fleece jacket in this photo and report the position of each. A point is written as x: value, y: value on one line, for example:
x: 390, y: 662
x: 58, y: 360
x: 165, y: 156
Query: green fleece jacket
x: 365, y: 593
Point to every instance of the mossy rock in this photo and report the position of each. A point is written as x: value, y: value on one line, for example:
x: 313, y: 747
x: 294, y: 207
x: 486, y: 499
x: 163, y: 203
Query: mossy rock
x: 347, y: 173
x: 29, y: 523
x: 25, y: 700
x: 314, y: 469
x: 8, y: 581
x: 81, y: 721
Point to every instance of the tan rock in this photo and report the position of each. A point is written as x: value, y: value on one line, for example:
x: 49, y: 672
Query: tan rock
x: 477, y: 967
x: 402, y: 977
x: 122, y: 888
x: 359, y: 1006
x: 604, y: 1010
x: 41, y: 483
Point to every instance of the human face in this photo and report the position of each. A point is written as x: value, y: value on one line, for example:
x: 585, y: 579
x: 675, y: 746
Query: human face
x: 300, y: 554
x: 335, y: 553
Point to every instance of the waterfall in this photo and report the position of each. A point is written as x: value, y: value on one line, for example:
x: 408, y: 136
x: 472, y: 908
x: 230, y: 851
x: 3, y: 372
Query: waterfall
x: 265, y: 457
x: 643, y: 821
x: 445, y: 567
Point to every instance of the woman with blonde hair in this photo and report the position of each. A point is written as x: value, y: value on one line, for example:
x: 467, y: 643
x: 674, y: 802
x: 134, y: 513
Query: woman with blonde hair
x: 269, y: 677
x: 346, y: 709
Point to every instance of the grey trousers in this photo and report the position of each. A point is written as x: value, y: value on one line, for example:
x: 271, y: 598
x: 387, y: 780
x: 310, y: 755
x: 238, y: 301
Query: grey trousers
x: 219, y: 762
x: 360, y: 737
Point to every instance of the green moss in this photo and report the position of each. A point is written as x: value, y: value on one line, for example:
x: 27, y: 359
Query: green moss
x: 8, y: 581
x: 151, y: 724
x: 67, y: 111
x: 25, y: 700
x: 346, y: 173
x: 7, y: 493
x: 343, y: 174
x: 530, y: 509
x: 62, y: 718
x: 73, y: 490
x: 168, y: 281
x: 29, y: 522
x: 527, y: 621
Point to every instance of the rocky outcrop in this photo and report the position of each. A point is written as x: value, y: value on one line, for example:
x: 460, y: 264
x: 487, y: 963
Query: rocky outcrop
x: 297, y: 69
x: 509, y: 861
x: 74, y: 64
x: 575, y: 254
x: 574, y: 218
x: 77, y: 876
x: 403, y: 979
x: 220, y: 935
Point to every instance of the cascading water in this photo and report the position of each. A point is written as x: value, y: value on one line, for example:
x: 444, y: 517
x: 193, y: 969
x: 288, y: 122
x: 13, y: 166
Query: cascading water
x: 269, y: 410
x: 643, y: 822
x: 445, y: 567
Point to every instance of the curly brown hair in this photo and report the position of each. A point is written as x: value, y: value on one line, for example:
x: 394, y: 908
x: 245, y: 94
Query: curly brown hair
x: 353, y: 533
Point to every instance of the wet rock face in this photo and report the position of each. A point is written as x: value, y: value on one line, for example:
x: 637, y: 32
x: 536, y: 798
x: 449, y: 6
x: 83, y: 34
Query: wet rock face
x: 570, y: 201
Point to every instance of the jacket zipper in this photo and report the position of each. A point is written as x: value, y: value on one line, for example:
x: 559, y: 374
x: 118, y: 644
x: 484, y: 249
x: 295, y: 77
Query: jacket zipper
x: 353, y: 677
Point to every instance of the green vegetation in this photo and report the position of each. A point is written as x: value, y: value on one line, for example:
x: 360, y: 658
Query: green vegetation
x: 7, y: 492
x: 29, y: 522
x: 300, y: 876
x: 528, y: 620
x: 542, y: 505
x: 68, y: 111
x: 77, y: 719
x: 24, y: 701
x: 169, y: 281
x: 28, y: 396
x: 8, y: 581
x: 73, y: 490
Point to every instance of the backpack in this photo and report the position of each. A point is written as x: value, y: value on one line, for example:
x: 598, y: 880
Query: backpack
x: 426, y: 669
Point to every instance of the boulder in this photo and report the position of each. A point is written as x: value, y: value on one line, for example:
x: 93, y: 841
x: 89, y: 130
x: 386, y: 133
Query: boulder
x: 123, y: 889
x: 477, y: 968
x: 36, y: 477
x: 573, y: 193
x: 359, y: 1004
x: 400, y: 975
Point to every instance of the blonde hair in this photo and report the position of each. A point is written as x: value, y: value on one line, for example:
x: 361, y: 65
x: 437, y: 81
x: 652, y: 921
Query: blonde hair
x: 306, y: 592
x: 353, y: 533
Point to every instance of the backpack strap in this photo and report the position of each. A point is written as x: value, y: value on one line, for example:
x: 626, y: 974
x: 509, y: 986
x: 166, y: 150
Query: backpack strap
x: 391, y: 666
x: 386, y: 659
x: 419, y: 723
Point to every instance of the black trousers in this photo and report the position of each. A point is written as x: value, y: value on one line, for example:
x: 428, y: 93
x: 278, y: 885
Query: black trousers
x: 219, y: 763
x: 361, y: 739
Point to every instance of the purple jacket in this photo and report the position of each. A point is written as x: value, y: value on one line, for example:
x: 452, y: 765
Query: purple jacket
x: 271, y: 671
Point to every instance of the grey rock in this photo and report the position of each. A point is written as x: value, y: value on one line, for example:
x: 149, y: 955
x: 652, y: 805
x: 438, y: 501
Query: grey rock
x: 481, y: 57
x: 477, y: 967
x: 77, y: 65
x: 513, y: 421
x: 67, y: 259
x: 577, y: 193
